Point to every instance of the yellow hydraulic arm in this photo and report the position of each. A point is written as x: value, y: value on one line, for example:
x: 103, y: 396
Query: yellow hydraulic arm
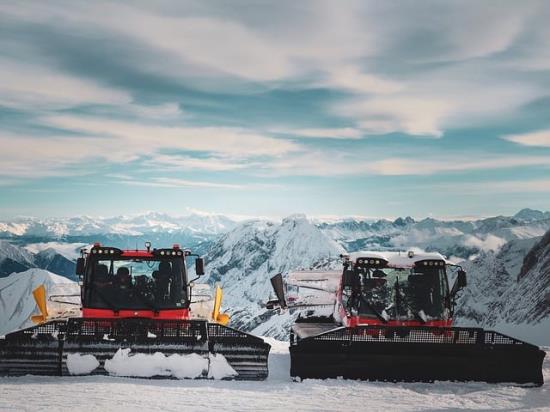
x: 221, y: 318
x: 39, y: 295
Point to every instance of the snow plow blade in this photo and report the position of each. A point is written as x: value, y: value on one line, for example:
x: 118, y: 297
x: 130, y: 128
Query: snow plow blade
x: 412, y: 354
x: 47, y: 349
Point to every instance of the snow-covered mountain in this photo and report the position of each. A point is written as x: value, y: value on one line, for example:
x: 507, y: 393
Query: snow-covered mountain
x: 511, y: 286
x: 16, y: 301
x: 244, y: 259
x: 14, y: 259
x: 529, y: 215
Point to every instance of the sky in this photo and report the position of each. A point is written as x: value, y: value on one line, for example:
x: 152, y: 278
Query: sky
x: 270, y: 108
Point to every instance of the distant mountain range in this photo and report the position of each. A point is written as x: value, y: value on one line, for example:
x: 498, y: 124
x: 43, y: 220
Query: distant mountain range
x: 460, y: 238
x: 195, y: 231
x: 136, y: 225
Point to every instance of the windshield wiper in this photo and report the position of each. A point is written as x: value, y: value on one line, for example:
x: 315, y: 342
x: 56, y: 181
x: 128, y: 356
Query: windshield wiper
x: 371, y: 307
x: 144, y: 300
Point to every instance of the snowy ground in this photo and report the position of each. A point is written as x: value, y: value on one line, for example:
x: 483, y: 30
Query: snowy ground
x: 278, y: 393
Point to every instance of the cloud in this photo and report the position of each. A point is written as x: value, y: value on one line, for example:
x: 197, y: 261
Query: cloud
x: 401, y: 166
x: 352, y: 79
x: 24, y: 157
x: 538, y: 139
x: 323, y: 133
x: 503, y: 186
x: 416, y: 70
x: 133, y: 139
x: 183, y: 162
x: 26, y: 85
x: 373, y: 67
x: 175, y: 183
x: 341, y: 164
x: 428, y: 103
x: 88, y: 139
x: 488, y: 243
x: 408, y: 114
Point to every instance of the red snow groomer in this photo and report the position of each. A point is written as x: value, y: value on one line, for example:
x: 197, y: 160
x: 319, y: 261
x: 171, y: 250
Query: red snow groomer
x: 137, y: 301
x: 392, y: 321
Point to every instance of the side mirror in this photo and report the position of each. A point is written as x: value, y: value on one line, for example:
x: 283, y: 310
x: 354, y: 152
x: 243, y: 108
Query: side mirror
x: 199, y: 266
x: 460, y: 282
x: 80, y: 266
x: 461, y: 279
x: 349, y: 278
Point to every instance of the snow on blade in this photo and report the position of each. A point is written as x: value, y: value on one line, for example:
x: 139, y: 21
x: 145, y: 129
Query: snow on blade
x: 220, y: 368
x: 187, y: 366
x: 78, y: 364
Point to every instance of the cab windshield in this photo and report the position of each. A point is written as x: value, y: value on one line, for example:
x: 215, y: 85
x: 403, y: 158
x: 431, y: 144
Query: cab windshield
x: 400, y: 293
x: 137, y: 284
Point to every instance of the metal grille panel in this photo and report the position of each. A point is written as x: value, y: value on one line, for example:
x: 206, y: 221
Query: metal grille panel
x: 420, y: 335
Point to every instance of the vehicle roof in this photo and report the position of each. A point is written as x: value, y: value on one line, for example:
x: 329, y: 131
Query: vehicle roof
x: 396, y: 259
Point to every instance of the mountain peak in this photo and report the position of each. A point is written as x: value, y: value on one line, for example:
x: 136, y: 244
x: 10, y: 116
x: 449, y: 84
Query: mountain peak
x: 403, y: 221
x: 296, y: 217
x: 530, y: 215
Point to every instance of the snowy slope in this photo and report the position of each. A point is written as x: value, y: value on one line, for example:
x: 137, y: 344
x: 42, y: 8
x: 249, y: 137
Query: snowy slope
x: 16, y: 301
x: 510, y: 288
x: 243, y: 261
x: 278, y: 393
x: 14, y: 259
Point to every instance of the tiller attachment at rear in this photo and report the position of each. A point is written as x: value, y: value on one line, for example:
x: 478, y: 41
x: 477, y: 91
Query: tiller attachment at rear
x: 412, y: 354
x: 115, y: 346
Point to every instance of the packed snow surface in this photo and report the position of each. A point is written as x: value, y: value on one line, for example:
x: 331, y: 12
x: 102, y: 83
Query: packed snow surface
x: 278, y: 393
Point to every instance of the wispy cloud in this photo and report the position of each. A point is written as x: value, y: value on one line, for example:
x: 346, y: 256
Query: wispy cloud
x: 210, y: 163
x: 323, y: 133
x: 175, y: 183
x: 25, y: 85
x: 138, y: 138
x: 341, y: 164
x: 539, y: 139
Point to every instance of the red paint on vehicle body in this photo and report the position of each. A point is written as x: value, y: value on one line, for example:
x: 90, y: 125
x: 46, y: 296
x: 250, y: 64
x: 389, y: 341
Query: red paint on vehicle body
x: 179, y: 314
